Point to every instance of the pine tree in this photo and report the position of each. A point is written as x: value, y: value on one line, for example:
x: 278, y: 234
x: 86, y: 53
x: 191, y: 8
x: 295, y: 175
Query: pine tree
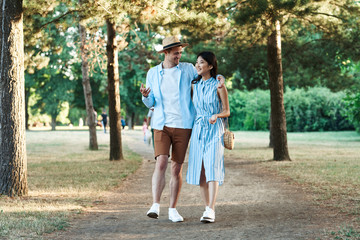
x: 263, y: 21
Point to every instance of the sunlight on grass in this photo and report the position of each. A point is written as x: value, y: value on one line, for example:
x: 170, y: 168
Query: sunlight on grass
x: 326, y: 163
x: 63, y: 177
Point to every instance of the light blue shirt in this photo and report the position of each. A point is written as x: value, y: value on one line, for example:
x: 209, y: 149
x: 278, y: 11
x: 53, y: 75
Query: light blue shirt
x: 154, y: 99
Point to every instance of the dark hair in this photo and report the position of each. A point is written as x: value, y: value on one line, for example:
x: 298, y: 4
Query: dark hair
x: 210, y: 58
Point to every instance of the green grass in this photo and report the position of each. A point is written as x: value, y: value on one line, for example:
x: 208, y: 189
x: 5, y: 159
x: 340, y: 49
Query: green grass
x: 326, y: 164
x: 64, y: 177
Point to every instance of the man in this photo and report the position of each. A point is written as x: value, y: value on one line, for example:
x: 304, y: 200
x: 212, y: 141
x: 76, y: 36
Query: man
x: 104, y: 119
x: 169, y: 92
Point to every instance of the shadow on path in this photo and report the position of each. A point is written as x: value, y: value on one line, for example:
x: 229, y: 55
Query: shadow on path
x: 250, y: 205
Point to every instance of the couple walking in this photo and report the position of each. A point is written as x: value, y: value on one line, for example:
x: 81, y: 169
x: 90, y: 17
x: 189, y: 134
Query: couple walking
x: 188, y: 102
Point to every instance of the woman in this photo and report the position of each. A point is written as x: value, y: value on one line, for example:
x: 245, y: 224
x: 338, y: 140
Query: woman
x: 206, y: 157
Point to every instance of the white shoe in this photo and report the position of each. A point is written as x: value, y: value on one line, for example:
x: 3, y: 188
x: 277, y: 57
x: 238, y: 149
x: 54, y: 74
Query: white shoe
x: 154, y: 211
x: 208, y: 216
x: 174, y: 216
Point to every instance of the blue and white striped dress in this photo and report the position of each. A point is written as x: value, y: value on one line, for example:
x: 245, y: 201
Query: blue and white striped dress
x: 207, y: 140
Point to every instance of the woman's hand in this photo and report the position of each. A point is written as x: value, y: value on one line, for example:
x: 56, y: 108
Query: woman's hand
x: 221, y: 80
x: 213, y: 119
x: 144, y: 91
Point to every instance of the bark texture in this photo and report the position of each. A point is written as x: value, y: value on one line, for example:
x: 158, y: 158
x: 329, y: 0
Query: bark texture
x: 13, y: 161
x: 114, y: 93
x: 276, y: 84
x: 93, y: 145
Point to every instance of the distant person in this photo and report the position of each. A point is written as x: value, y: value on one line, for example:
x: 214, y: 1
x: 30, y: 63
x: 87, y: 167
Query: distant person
x: 149, y: 123
x: 206, y: 156
x: 95, y: 117
x: 144, y: 128
x: 123, y: 124
x: 168, y: 91
x: 104, y: 120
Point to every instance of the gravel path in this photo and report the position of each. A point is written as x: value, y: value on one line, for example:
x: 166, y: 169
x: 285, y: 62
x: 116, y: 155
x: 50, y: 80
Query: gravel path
x: 252, y: 204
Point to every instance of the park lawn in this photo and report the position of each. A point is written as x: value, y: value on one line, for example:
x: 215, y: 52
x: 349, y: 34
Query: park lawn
x: 326, y: 164
x: 63, y: 177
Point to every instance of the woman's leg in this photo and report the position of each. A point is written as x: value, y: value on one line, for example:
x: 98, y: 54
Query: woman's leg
x: 213, y: 188
x: 204, y: 190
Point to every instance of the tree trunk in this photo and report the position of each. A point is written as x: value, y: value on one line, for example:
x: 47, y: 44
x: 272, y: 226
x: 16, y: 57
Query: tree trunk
x: 278, y: 118
x: 271, y: 135
x: 114, y: 93
x: 27, y: 96
x: 53, y: 122
x: 130, y: 122
x: 13, y: 160
x: 133, y: 120
x: 93, y: 145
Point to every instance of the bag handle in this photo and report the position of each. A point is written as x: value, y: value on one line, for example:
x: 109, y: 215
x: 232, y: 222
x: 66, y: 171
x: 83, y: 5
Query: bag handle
x: 226, y: 123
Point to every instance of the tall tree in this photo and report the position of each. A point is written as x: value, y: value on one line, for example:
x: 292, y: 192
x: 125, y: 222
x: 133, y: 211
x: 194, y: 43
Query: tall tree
x: 13, y: 160
x: 93, y: 145
x: 260, y: 21
x: 114, y: 93
x: 278, y: 132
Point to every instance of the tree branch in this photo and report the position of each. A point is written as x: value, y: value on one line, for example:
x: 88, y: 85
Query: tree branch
x: 169, y: 11
x: 329, y: 15
x: 58, y: 18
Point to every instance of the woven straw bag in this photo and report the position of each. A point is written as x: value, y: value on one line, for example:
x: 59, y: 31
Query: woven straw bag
x: 229, y: 139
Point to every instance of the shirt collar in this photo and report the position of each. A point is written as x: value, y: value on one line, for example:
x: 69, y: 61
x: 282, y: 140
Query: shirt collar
x: 161, y: 69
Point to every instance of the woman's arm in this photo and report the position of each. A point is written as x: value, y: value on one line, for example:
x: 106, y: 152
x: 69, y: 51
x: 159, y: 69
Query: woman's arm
x: 223, y: 93
x: 192, y: 90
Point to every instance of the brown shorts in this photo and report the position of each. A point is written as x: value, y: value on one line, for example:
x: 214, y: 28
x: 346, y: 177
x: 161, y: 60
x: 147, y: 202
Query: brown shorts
x: 177, y: 137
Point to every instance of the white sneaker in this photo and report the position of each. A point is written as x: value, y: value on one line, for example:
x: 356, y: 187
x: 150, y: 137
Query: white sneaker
x: 154, y: 211
x: 208, y: 216
x: 174, y: 216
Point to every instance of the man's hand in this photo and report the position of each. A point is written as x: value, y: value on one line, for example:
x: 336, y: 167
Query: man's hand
x: 222, y: 81
x: 144, y: 91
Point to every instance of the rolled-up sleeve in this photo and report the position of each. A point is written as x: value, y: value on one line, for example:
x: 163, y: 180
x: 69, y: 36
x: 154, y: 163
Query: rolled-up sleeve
x: 150, y: 99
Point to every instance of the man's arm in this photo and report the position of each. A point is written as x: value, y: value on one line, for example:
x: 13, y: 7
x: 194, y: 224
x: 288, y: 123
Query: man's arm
x: 147, y: 93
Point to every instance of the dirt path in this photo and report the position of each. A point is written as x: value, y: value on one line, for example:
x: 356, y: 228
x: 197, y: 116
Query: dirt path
x: 250, y: 205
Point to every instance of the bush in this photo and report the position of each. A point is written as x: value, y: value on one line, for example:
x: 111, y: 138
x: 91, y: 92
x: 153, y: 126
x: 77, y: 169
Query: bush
x: 249, y: 110
x: 352, y: 103
x: 315, y: 109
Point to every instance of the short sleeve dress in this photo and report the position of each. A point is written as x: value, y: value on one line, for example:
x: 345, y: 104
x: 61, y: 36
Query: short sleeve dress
x: 207, y: 140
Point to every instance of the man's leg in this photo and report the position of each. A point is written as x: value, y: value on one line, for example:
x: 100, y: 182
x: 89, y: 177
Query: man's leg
x: 158, y: 178
x: 175, y: 182
x: 158, y: 184
x: 180, y: 141
x: 162, y: 146
x: 175, y: 186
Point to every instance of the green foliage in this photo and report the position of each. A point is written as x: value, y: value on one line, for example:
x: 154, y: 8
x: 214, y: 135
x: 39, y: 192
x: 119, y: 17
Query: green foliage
x: 75, y: 114
x: 352, y: 102
x: 315, y: 109
x: 249, y: 110
x: 134, y: 62
x: 237, y: 102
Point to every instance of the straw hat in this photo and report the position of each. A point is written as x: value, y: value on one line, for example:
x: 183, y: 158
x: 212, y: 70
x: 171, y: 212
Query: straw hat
x: 170, y: 42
